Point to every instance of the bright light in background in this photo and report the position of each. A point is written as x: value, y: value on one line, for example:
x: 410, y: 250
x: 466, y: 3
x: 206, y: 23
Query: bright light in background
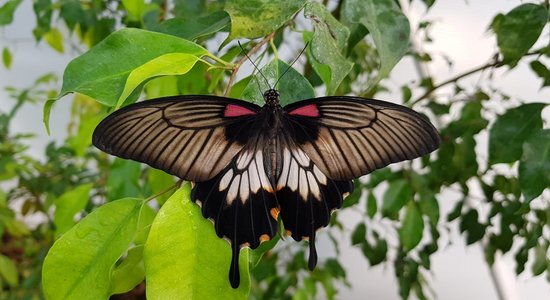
x: 459, y: 31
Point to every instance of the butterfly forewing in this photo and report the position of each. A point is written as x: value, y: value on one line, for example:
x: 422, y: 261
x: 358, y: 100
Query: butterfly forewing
x: 348, y: 137
x: 192, y: 137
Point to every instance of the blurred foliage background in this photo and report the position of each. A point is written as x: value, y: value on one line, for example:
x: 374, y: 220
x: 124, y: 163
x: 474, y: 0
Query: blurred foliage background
x: 495, y: 152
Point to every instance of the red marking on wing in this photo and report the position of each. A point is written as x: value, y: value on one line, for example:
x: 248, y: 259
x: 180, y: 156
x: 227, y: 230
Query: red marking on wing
x: 233, y: 110
x: 310, y: 110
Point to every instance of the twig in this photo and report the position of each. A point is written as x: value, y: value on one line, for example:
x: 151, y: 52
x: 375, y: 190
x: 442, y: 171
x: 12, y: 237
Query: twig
x: 243, y: 59
x: 495, y: 63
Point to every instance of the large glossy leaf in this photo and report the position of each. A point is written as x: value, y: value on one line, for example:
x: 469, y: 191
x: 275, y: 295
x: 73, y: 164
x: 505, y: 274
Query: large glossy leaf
x: 7, y: 10
x: 79, y: 264
x: 257, y: 18
x: 326, y: 47
x: 518, y: 30
x: 292, y: 87
x: 534, y: 166
x: 511, y: 129
x: 192, y: 28
x: 102, y: 72
x: 388, y: 26
x: 69, y: 204
x: 185, y: 259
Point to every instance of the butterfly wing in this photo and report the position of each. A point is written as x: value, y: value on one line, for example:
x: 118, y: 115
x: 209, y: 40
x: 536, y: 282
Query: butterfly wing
x: 347, y: 137
x: 330, y: 141
x: 241, y: 203
x: 192, y: 137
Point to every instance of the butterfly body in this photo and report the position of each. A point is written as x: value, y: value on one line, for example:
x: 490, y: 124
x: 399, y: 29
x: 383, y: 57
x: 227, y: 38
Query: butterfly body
x: 252, y: 165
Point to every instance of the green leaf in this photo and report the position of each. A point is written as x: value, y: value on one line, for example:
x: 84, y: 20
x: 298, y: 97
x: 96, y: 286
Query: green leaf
x: 79, y: 264
x: 8, y: 271
x: 6, y: 57
x: 68, y: 205
x: 396, y: 196
x: 534, y: 166
x: 541, y: 260
x: 292, y: 86
x: 167, y: 64
x: 159, y: 181
x: 377, y: 252
x: 54, y: 38
x: 474, y: 230
x: 7, y: 10
x: 326, y: 46
x: 429, y: 206
x: 355, y: 196
x: 411, y: 230
x: 541, y: 70
x: 518, y: 30
x: 359, y: 234
x: 372, y: 205
x: 196, y: 27
x: 511, y: 129
x: 185, y: 259
x: 129, y: 273
x: 123, y: 179
x: 257, y: 18
x: 388, y: 26
x: 189, y: 8
x: 101, y: 73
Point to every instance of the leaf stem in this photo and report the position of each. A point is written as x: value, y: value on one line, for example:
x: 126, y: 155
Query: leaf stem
x: 243, y: 59
x: 174, y: 186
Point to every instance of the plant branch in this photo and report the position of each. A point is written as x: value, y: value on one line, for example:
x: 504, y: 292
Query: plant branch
x: 244, y: 58
x: 495, y: 63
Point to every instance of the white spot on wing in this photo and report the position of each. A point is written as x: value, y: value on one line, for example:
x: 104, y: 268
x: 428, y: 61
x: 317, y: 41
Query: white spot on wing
x: 254, y: 177
x: 226, y: 179
x: 284, y: 170
x: 244, y: 160
x: 263, y: 176
x: 243, y: 190
x: 304, y: 188
x: 293, y: 176
x: 233, y: 190
x: 313, y: 186
x: 319, y: 175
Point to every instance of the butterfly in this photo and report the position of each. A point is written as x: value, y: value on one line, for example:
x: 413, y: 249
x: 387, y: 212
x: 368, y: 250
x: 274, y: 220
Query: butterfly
x: 251, y: 165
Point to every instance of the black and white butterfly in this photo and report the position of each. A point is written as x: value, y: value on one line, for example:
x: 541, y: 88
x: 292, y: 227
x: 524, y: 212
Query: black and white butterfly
x: 252, y: 164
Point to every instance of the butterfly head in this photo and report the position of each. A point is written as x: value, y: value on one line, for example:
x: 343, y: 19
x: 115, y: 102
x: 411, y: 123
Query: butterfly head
x: 271, y: 97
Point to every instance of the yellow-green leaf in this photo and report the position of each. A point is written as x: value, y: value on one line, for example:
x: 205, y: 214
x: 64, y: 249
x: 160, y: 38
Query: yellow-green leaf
x: 185, y: 259
x: 54, y: 38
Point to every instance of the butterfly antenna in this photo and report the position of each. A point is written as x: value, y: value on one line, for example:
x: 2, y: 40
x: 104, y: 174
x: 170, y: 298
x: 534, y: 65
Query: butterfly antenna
x: 292, y: 63
x: 256, y: 67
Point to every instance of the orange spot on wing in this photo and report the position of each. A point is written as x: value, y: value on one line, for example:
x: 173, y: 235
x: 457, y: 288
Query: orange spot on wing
x: 264, y: 237
x: 274, y: 212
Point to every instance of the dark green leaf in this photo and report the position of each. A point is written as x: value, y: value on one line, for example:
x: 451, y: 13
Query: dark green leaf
x: 326, y: 46
x: 359, y: 234
x: 355, y: 196
x: 518, y: 30
x: 541, y: 260
x: 411, y: 230
x: 123, y: 179
x: 192, y: 28
x: 375, y: 253
x: 189, y: 8
x: 292, y: 87
x: 511, y: 129
x: 257, y: 18
x: 396, y: 196
x: 388, y: 26
x: 541, y: 71
x: 534, y: 167
x: 470, y: 224
x: 429, y: 206
x: 7, y: 10
x: 372, y: 205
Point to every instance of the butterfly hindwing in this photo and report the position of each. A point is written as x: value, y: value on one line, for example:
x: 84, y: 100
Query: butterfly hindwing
x: 192, y: 137
x: 307, y: 197
x: 348, y: 137
x: 241, y: 202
